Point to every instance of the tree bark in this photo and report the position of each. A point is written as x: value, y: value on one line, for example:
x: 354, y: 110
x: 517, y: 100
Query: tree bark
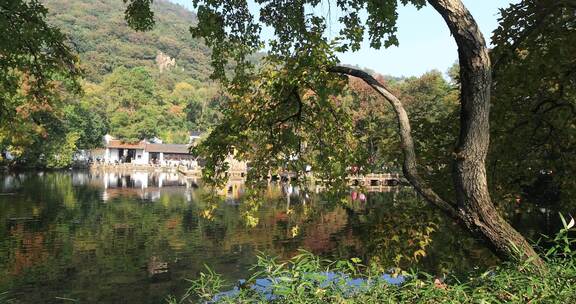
x: 473, y: 198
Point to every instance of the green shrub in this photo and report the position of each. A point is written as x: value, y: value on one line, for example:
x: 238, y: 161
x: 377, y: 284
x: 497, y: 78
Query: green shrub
x: 309, y: 279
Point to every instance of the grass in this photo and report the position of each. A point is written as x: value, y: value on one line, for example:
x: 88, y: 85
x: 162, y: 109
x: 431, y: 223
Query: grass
x: 5, y: 298
x: 309, y: 279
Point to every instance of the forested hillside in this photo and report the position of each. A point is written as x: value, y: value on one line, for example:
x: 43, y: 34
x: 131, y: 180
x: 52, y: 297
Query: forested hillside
x: 101, y: 36
x: 138, y: 85
x: 134, y: 85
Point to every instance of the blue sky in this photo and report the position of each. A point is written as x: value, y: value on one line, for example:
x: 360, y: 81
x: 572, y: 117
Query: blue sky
x: 425, y: 42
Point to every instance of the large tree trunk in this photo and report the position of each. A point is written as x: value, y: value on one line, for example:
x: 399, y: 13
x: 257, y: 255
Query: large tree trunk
x: 474, y: 208
x: 474, y: 204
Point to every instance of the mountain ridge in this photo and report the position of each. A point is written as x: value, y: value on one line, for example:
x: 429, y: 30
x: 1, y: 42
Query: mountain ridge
x: 100, y: 35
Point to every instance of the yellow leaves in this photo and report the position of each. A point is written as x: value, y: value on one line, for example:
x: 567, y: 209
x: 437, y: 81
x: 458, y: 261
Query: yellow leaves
x: 398, y: 258
x: 419, y: 253
x: 250, y: 220
x: 295, y: 231
x: 183, y: 87
x: 83, y: 245
x: 522, y: 53
x: 208, y: 213
x: 306, y: 210
x: 320, y: 292
x: 176, y: 243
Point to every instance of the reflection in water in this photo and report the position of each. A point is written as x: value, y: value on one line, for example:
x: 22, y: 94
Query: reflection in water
x: 134, y: 237
x: 145, y: 185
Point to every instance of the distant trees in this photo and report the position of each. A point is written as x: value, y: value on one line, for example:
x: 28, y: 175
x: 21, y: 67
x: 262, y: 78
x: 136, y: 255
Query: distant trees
x: 133, y: 103
x: 46, y: 112
x: 433, y: 105
x: 431, y: 102
x: 138, y: 106
x: 88, y: 123
x: 35, y: 66
x: 104, y: 42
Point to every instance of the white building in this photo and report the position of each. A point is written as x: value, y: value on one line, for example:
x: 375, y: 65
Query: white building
x: 169, y: 154
x: 144, y: 152
x: 118, y: 151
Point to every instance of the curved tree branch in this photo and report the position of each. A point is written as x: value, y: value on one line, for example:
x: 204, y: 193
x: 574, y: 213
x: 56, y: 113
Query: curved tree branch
x: 409, y: 166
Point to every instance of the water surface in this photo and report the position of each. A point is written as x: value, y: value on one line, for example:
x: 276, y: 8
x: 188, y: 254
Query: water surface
x: 134, y: 237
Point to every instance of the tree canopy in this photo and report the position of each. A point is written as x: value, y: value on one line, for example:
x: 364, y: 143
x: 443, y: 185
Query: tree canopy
x: 534, y: 114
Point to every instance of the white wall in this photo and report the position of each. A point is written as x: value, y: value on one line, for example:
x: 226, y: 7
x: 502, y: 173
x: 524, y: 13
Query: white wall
x: 141, y: 157
x: 111, y: 155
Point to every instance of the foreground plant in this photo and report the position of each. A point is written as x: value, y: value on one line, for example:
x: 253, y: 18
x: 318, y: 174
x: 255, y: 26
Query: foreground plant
x: 309, y: 279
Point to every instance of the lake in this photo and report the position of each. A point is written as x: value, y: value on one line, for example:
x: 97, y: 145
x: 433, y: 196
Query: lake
x: 135, y: 237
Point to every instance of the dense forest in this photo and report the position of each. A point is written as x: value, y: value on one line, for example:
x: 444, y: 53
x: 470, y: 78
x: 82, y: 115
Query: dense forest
x: 133, y: 85
x: 139, y: 85
x: 100, y: 35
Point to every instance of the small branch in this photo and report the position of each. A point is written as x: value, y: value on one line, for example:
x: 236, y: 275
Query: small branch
x: 409, y: 166
x: 298, y: 114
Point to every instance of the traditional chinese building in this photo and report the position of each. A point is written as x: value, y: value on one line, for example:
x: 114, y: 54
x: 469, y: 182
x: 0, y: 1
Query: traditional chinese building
x: 144, y: 152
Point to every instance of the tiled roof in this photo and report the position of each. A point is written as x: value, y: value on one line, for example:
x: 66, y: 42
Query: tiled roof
x: 168, y: 148
x: 165, y: 148
x: 118, y: 144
